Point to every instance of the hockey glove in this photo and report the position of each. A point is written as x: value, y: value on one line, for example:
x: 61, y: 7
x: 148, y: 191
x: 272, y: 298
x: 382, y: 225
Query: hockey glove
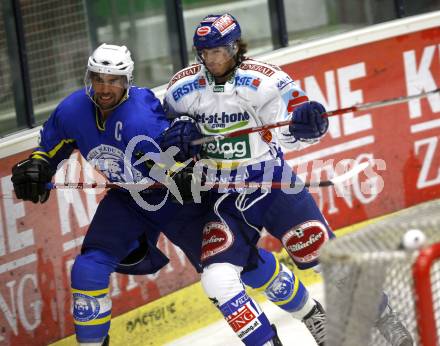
x: 182, y: 131
x: 30, y: 177
x: 308, y: 121
x: 184, y: 179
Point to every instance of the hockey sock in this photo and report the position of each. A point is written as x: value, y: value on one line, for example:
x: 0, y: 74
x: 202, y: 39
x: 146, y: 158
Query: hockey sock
x: 247, y: 320
x: 91, y: 301
x: 279, y: 285
x: 222, y: 284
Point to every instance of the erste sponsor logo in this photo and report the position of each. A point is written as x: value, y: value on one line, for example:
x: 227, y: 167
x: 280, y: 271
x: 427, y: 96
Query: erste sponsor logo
x: 247, y: 81
x: 188, y: 88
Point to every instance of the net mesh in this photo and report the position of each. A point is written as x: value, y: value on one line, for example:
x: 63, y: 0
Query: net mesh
x: 360, y: 267
x: 6, y: 100
x: 57, y: 45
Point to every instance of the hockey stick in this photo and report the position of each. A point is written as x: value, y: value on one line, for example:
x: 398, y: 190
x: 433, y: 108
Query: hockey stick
x: 280, y: 185
x: 85, y: 186
x: 358, y: 107
x: 275, y: 185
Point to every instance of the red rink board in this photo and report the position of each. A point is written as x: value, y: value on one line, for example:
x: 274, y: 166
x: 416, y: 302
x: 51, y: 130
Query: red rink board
x: 36, y: 242
x: 405, y: 136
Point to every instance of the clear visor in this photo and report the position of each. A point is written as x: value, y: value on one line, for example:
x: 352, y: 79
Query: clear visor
x: 95, y: 81
x: 217, y: 54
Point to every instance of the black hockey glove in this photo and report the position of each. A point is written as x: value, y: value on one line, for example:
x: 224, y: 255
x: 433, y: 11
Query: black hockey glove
x: 181, y: 132
x: 184, y: 179
x: 30, y: 177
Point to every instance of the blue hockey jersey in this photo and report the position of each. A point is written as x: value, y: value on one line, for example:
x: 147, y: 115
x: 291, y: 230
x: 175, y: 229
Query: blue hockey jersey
x: 76, y: 124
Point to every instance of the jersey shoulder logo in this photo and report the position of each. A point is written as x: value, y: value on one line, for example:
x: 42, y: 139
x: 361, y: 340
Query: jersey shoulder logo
x: 189, y: 71
x: 257, y: 66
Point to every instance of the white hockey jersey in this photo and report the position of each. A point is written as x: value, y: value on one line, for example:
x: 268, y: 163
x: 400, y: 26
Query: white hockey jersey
x: 256, y: 94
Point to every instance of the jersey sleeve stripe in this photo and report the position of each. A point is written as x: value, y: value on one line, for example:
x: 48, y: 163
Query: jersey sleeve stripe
x: 54, y: 151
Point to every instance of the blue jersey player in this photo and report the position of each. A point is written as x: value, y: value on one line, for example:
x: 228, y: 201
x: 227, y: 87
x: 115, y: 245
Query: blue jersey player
x: 100, y: 121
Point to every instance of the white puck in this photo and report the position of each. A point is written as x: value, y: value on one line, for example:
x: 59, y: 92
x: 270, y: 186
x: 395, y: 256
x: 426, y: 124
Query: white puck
x: 413, y: 239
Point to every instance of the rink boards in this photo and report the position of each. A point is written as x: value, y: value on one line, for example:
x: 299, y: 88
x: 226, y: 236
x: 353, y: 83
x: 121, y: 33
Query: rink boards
x: 400, y: 58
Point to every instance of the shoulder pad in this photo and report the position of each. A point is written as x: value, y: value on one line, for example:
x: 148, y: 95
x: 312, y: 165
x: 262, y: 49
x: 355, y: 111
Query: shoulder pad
x: 188, y: 71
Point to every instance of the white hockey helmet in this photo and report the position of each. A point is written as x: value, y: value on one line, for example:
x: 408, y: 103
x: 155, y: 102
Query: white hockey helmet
x: 110, y: 59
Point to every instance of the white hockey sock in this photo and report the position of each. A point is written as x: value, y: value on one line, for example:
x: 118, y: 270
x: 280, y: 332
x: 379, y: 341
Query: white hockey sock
x: 308, y: 306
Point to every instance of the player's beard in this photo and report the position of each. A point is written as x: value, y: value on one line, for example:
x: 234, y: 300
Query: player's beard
x: 106, y: 101
x: 221, y: 69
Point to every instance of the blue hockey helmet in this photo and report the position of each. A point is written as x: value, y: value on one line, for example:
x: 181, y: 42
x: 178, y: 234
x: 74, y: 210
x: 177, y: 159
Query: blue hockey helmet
x: 216, y: 30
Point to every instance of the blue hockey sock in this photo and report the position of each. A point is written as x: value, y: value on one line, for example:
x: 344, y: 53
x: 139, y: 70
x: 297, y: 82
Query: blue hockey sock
x: 278, y: 283
x: 91, y: 300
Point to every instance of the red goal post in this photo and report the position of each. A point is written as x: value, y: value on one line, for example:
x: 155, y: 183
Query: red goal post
x: 427, y: 306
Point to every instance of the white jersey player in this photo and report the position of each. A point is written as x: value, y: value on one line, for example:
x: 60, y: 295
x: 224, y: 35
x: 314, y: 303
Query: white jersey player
x: 227, y: 92
x: 256, y: 93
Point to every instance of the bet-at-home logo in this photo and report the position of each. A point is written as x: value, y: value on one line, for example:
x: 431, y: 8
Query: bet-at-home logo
x: 229, y: 148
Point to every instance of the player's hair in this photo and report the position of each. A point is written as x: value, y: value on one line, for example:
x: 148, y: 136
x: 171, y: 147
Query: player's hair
x: 242, y: 50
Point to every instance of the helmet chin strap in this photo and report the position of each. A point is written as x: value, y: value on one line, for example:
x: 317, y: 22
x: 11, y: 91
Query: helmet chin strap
x: 123, y: 98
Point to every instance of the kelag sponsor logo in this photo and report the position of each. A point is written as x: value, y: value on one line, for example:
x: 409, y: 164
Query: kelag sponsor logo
x: 229, y: 148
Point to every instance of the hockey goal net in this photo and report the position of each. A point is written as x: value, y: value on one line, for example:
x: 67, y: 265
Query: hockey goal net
x: 360, y: 267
